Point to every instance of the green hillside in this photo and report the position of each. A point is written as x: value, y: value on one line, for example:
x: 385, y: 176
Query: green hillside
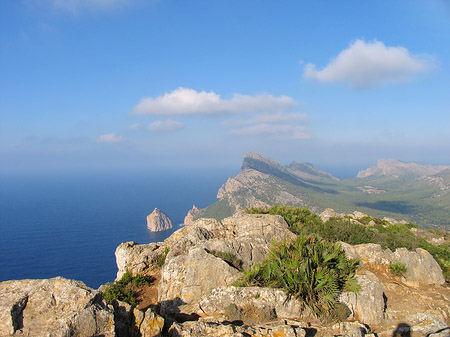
x: 263, y: 182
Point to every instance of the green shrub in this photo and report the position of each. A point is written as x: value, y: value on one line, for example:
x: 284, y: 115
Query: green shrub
x: 162, y: 259
x: 123, y: 290
x: 309, y: 268
x: 303, y: 222
x: 398, y: 269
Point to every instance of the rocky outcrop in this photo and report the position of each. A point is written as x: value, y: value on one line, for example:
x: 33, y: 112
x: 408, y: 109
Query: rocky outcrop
x: 158, y: 221
x: 53, y: 307
x: 195, y: 266
x: 191, y: 214
x: 196, y: 296
x: 422, y: 268
x: 138, y: 259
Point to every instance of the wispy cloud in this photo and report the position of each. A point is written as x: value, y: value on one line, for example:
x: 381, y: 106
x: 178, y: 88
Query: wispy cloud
x: 184, y: 101
x: 367, y: 64
x: 76, y: 6
x: 279, y: 117
x: 278, y: 130
x: 165, y: 126
x: 135, y: 126
x: 110, y: 138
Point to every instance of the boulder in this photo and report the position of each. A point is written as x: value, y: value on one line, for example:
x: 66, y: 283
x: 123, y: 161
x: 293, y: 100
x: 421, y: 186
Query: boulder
x: 328, y: 214
x: 138, y: 259
x: 252, y: 301
x: 368, y: 305
x: 191, y: 276
x: 422, y: 268
x: 158, y: 221
x: 53, y: 307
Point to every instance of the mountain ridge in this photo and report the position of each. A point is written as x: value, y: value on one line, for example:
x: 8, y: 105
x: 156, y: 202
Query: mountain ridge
x: 408, y: 191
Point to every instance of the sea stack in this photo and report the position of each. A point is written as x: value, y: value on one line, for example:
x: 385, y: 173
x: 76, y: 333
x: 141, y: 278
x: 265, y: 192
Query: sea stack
x: 158, y: 221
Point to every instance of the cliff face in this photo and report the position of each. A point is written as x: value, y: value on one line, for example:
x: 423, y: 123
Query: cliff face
x: 158, y: 221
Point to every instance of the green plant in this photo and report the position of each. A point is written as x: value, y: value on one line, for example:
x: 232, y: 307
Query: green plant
x: 162, y: 259
x: 123, y: 289
x: 309, y: 268
x: 398, y: 268
x: 228, y: 257
x: 304, y: 222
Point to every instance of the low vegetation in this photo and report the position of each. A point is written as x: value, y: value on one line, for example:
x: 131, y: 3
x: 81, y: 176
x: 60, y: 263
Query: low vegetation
x: 125, y: 289
x: 398, y: 269
x: 309, y: 268
x: 303, y: 222
x: 162, y: 259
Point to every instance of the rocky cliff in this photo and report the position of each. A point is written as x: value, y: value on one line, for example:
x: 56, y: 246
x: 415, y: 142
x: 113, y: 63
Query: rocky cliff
x: 407, y: 191
x: 195, y: 270
x: 158, y: 221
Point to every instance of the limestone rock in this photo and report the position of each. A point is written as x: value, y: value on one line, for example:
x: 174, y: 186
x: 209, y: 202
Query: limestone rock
x: 422, y: 268
x: 189, y: 218
x: 369, y: 308
x: 328, y: 214
x: 158, y: 221
x: 192, y: 276
x: 204, y: 329
x: 53, y: 307
x: 253, y: 299
x: 139, y: 259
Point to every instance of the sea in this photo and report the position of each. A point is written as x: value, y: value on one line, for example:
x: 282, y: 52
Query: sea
x: 69, y: 224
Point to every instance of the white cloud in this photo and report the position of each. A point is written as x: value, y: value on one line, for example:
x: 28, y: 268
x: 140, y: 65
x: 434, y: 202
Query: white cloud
x: 135, y: 126
x: 165, y: 126
x: 184, y: 101
x: 280, y: 130
x: 110, y: 138
x: 366, y: 64
x: 278, y: 117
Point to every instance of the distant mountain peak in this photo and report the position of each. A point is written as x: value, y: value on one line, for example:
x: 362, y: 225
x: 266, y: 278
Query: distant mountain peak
x: 399, y: 169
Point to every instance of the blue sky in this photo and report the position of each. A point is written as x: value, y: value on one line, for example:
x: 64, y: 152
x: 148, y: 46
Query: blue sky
x: 125, y: 84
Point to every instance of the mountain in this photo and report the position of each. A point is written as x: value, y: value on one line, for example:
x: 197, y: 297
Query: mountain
x: 395, y: 168
x: 406, y: 191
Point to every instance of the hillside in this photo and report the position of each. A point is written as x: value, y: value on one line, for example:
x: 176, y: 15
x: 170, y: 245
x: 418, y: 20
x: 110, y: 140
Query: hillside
x: 405, y: 191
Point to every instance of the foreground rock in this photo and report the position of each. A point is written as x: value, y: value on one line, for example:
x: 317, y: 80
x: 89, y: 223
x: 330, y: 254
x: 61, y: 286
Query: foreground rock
x: 53, y: 307
x: 421, y: 267
x: 158, y: 221
x: 197, y: 267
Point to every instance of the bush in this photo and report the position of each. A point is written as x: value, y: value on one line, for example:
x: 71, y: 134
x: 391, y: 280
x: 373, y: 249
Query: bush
x: 398, y: 269
x: 123, y: 290
x: 162, y: 259
x: 309, y: 268
x: 304, y: 222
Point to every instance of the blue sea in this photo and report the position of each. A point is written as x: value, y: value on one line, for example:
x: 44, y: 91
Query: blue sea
x: 69, y: 224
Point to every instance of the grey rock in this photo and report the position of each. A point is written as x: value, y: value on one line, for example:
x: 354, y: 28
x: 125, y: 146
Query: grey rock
x: 53, y: 307
x: 368, y: 307
x: 139, y: 259
x: 422, y: 268
x: 203, y: 329
x: 256, y: 298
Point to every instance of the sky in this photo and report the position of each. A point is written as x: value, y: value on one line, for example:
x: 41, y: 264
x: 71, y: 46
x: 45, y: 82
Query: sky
x: 129, y: 84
